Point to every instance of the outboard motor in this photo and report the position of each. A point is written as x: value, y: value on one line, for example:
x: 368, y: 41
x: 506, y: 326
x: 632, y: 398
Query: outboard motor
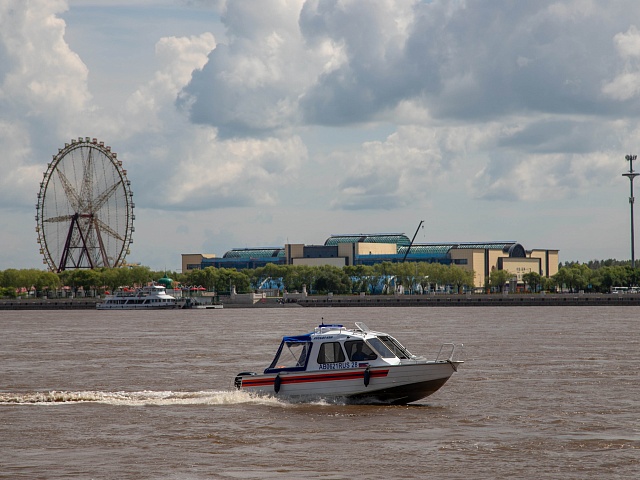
x: 238, y: 381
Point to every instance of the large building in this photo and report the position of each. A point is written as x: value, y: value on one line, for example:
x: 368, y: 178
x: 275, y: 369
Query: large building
x: 371, y: 249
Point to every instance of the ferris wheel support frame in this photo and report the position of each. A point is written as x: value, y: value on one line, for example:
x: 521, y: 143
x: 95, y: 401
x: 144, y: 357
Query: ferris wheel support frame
x: 84, y: 248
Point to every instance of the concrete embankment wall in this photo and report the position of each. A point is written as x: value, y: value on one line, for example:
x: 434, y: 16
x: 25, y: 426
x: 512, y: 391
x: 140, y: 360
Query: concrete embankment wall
x: 59, y: 304
x: 512, y: 300
x: 532, y: 300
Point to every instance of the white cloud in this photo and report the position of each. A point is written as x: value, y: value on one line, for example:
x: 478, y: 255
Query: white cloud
x: 626, y: 84
x: 251, y: 85
x: 42, y: 89
x: 216, y: 174
x: 151, y: 107
x: 628, y: 43
x: 196, y: 170
x: 42, y: 76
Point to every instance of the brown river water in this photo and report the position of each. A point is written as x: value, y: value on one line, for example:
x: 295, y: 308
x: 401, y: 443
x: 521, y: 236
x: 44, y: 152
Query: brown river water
x: 545, y: 392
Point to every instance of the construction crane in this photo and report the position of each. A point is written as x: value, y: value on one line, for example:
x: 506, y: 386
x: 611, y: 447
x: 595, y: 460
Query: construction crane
x: 411, y: 244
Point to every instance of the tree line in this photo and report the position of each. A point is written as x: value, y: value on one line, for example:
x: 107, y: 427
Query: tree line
x: 382, y: 278
x: 317, y: 279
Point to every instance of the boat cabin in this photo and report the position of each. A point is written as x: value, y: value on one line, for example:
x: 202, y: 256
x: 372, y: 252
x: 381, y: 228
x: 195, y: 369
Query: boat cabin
x: 333, y: 347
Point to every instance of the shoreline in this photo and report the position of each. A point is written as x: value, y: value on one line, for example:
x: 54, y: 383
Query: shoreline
x: 475, y: 300
x: 342, y: 301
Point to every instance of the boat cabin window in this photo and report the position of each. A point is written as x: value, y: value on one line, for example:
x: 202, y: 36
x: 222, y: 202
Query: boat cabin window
x: 358, y: 350
x: 330, y: 352
x: 291, y: 355
x: 389, y: 347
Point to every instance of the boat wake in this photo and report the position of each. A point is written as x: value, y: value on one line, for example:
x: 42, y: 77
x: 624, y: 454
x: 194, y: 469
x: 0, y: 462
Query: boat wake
x: 208, y: 397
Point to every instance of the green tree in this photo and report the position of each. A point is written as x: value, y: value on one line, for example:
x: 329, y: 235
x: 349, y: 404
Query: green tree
x: 459, y: 278
x: 228, y: 277
x: 498, y: 278
x: 563, y: 279
x: 332, y: 279
x: 439, y: 275
x: 384, y: 271
x: 114, y: 278
x: 581, y: 276
x: 13, y: 278
x: 276, y: 273
x: 358, y: 275
x: 47, y: 281
x: 207, y: 278
x: 573, y: 277
x: 546, y: 284
x: 532, y: 280
x: 140, y: 275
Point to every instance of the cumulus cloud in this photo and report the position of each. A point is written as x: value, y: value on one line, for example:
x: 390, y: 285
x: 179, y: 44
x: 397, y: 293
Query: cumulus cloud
x: 626, y: 84
x: 150, y: 107
x: 439, y: 66
x: 234, y: 173
x: 372, y: 77
x: 195, y: 169
x: 40, y: 72
x: 408, y: 166
x: 43, y: 85
x: 249, y: 85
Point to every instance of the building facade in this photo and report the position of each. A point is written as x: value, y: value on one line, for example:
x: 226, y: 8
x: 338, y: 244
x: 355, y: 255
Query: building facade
x: 372, y: 249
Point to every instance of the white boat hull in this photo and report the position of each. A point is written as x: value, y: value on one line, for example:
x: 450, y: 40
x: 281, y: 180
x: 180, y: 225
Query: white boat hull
x: 391, y: 384
x: 102, y: 306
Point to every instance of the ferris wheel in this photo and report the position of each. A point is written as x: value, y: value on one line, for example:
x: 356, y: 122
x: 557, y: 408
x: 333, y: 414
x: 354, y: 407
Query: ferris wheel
x: 85, y: 206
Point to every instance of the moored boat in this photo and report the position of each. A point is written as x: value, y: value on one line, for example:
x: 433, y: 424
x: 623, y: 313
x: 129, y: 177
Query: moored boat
x: 357, y: 364
x: 150, y: 297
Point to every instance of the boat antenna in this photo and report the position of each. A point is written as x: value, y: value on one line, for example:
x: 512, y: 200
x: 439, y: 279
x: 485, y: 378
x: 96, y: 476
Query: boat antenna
x: 411, y: 244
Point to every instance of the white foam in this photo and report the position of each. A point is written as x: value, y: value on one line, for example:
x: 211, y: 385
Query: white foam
x: 207, y: 397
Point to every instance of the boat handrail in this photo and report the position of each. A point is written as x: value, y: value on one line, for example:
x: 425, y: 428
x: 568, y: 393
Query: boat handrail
x: 451, y: 350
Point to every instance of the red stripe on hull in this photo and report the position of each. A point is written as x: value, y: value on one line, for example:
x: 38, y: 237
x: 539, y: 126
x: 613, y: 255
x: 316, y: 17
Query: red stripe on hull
x: 321, y: 377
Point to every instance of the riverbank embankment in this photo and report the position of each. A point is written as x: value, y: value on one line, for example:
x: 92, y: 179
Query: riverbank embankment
x: 465, y: 300
x: 471, y: 300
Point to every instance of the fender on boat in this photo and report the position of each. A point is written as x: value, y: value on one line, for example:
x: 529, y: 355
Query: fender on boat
x: 367, y: 376
x: 276, y: 383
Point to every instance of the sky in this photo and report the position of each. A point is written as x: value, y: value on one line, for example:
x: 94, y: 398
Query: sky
x: 265, y: 122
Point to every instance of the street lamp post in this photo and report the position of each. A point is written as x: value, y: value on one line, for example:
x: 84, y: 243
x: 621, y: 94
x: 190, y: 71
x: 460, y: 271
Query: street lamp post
x: 631, y: 175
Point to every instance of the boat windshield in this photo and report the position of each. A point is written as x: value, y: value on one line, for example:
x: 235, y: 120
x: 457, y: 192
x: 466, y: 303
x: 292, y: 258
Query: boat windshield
x: 291, y: 355
x: 389, y: 347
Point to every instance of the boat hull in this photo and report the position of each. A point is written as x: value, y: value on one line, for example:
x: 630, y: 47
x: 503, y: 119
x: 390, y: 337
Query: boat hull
x: 390, y: 384
x: 101, y: 306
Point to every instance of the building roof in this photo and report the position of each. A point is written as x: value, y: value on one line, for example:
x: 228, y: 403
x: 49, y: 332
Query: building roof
x: 397, y: 238
x: 427, y: 249
x: 264, y: 252
x: 514, y: 249
x: 502, y: 245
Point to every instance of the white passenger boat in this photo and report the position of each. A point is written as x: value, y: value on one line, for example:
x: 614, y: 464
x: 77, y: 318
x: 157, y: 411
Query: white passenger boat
x: 151, y: 297
x: 357, y: 365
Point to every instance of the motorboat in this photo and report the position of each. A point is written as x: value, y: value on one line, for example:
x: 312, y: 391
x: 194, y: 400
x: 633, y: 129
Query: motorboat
x: 354, y: 365
x: 149, y: 297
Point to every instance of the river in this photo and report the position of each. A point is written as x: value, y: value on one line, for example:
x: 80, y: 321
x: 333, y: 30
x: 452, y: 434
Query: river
x: 545, y: 392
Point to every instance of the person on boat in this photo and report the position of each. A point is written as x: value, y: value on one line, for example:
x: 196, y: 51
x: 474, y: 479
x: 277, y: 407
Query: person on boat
x: 359, y: 354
